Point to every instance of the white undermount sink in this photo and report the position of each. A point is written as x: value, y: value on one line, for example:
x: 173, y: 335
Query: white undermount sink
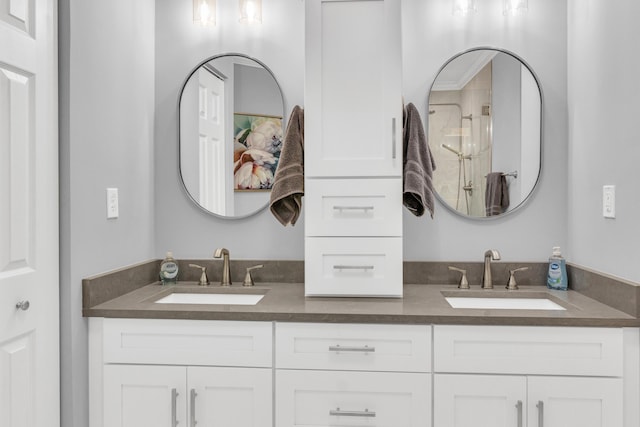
x: 504, y: 303
x: 210, y: 298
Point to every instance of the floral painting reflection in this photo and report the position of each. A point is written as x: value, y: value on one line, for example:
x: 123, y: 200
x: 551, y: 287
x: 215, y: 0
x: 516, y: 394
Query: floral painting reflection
x: 257, y: 146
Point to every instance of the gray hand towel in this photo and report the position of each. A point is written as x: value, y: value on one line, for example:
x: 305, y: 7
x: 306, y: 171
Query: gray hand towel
x: 288, y: 186
x: 418, y: 193
x: 497, y: 194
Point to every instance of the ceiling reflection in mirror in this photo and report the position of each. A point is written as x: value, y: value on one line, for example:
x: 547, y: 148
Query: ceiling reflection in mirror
x: 485, y: 129
x: 231, y: 130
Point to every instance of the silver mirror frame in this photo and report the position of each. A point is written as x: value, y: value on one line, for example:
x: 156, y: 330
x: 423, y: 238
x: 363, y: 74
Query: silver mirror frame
x: 533, y: 189
x: 184, y: 84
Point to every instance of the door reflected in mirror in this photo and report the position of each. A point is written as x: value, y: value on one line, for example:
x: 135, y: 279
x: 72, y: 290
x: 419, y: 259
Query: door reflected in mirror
x: 231, y: 131
x: 484, y: 125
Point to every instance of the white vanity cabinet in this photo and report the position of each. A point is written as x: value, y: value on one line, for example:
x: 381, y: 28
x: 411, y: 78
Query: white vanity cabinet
x: 160, y: 372
x: 157, y: 396
x: 353, y: 148
x: 172, y: 373
x: 354, y: 375
x: 528, y: 376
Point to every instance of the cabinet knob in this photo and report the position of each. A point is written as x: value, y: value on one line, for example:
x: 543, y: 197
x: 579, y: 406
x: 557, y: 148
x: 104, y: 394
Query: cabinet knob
x: 23, y: 305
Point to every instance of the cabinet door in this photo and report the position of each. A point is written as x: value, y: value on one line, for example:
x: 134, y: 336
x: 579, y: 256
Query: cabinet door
x: 230, y: 397
x: 479, y: 400
x: 330, y: 398
x: 144, y: 396
x: 575, y: 402
x: 353, y: 86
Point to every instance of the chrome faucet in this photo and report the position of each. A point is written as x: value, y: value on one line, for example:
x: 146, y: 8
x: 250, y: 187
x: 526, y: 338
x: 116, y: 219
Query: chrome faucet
x: 226, y: 270
x: 486, y: 278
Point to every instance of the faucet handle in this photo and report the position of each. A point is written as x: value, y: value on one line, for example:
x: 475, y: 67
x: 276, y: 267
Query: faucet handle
x: 248, y: 280
x: 512, y: 285
x: 204, y: 280
x: 464, y: 283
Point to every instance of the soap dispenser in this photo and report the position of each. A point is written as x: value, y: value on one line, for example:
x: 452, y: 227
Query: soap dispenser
x: 169, y: 270
x: 557, y: 275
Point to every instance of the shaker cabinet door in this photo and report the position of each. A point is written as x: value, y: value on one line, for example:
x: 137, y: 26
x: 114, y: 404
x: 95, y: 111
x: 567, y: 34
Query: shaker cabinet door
x: 479, y: 400
x: 230, y: 397
x: 144, y: 396
x: 353, y: 87
x: 575, y: 402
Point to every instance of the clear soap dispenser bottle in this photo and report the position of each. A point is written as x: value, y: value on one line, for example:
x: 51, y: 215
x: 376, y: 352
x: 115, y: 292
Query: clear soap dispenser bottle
x: 169, y: 270
x: 557, y: 275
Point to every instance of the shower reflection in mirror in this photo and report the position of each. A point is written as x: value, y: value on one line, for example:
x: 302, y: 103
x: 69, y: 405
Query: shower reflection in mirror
x: 484, y: 114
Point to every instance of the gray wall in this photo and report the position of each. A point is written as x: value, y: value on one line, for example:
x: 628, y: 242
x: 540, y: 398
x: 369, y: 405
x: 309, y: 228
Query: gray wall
x: 106, y: 140
x: 604, y: 76
x: 431, y: 35
x: 279, y: 44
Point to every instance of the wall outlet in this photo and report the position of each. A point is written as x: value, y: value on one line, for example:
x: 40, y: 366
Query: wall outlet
x: 112, y: 203
x: 609, y: 201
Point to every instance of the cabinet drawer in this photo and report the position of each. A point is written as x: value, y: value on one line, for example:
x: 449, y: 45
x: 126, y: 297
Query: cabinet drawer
x: 353, y: 207
x: 188, y: 342
x: 357, y: 266
x: 405, y: 348
x: 325, y: 398
x: 528, y: 350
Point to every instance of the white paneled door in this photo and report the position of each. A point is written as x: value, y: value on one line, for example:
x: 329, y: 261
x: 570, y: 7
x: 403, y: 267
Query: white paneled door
x: 29, y: 323
x: 211, y: 135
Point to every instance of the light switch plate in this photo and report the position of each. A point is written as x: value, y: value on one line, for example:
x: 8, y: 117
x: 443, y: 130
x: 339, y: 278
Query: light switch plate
x: 609, y: 201
x: 112, y: 203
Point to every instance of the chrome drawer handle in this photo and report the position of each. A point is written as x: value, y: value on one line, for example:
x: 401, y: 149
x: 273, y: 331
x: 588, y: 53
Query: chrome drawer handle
x: 365, y: 349
x: 540, y: 407
x: 393, y: 138
x: 193, y: 407
x: 353, y: 208
x: 353, y: 267
x: 23, y: 305
x: 338, y: 413
x: 519, y: 406
x: 174, y: 415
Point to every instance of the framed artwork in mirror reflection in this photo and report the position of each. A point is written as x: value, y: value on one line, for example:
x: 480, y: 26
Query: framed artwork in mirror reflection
x: 256, y: 150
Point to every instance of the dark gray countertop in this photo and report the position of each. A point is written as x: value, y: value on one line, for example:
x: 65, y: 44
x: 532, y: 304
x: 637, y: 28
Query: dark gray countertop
x: 424, y: 304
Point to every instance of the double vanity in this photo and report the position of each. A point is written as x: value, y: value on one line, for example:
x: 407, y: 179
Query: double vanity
x: 267, y: 355
x: 355, y: 335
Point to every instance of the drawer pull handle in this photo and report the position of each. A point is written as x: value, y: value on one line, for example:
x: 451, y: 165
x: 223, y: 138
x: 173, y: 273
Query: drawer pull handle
x: 338, y: 413
x: 519, y: 407
x: 353, y: 208
x: 365, y: 349
x: 353, y: 267
x: 193, y: 407
x: 540, y: 407
x: 174, y: 416
x: 393, y: 138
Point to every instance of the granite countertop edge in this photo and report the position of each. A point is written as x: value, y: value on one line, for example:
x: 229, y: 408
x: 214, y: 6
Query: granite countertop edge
x: 421, y: 304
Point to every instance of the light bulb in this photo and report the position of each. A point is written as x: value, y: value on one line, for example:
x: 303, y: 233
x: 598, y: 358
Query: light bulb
x: 250, y: 11
x: 464, y: 7
x: 204, y: 12
x: 515, y: 7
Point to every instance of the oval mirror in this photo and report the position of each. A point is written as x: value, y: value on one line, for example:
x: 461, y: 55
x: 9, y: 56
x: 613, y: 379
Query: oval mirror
x: 485, y: 132
x: 230, y: 121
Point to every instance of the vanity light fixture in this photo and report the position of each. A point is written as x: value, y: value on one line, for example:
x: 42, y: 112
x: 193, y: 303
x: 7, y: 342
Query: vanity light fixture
x: 464, y: 7
x: 251, y: 11
x: 515, y: 7
x: 204, y: 12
